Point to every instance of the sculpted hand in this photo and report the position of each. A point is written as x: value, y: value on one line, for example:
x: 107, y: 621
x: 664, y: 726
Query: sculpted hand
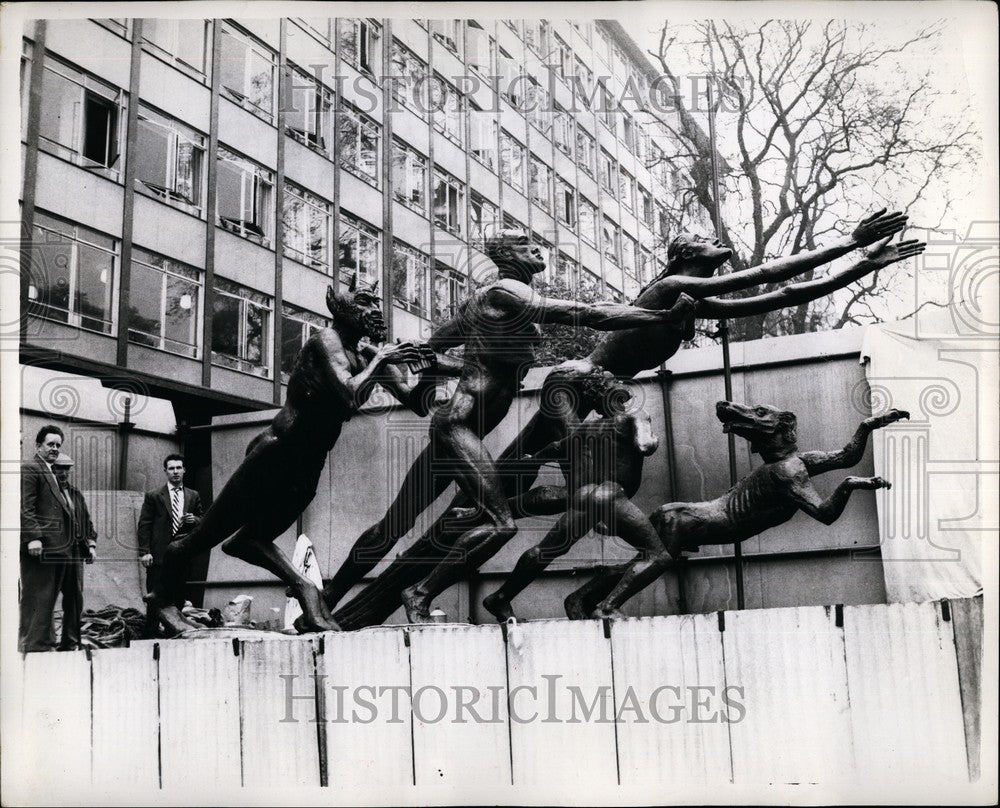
x: 884, y: 253
x: 398, y: 353
x: 146, y: 560
x: 35, y: 548
x: 877, y: 226
x: 684, y: 308
x: 869, y: 483
x: 427, y: 358
x: 91, y: 554
x: 888, y: 417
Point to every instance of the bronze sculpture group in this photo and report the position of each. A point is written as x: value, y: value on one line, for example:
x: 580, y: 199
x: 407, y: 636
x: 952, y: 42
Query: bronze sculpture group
x: 601, y: 458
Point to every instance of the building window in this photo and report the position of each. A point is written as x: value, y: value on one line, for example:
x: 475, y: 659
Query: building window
x: 582, y: 28
x: 629, y: 133
x: 586, y: 148
x: 247, y: 73
x: 604, y: 48
x: 168, y: 161
x: 480, y: 48
x: 539, y: 108
x: 183, y: 43
x: 359, y: 138
x: 244, y: 197
x: 359, y: 44
x: 448, y: 33
x: 609, y: 108
x: 79, y: 118
x: 410, y: 270
x: 565, y: 202
x: 76, y: 283
x: 320, y: 28
x: 449, y: 202
x: 297, y: 325
x: 511, y: 161
x: 309, y: 116
x: 565, y: 271
x: 409, y: 177
x: 447, y: 106
x: 164, y: 304
x: 647, y: 206
x: 646, y: 266
x: 583, y: 80
x: 588, y: 222
x: 485, y: 218
x: 562, y: 131
x: 612, y: 238
x: 513, y: 25
x: 116, y: 26
x: 629, y: 249
x: 509, y: 71
x: 609, y: 172
x: 307, y: 224
x: 409, y: 85
x: 360, y: 250
x: 589, y: 281
x: 541, y: 184
x: 537, y: 35
x: 564, y: 59
x: 483, y: 136
x: 450, y: 289
x: 626, y: 189
x: 241, y: 328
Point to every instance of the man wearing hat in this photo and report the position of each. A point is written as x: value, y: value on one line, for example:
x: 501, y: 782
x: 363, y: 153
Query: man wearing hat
x: 50, y: 559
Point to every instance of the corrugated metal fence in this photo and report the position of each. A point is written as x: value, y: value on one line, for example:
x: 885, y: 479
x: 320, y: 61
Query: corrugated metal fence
x: 798, y: 695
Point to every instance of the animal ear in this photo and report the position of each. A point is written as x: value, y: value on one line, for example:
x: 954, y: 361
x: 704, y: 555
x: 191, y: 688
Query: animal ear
x: 375, y: 288
x: 354, y: 282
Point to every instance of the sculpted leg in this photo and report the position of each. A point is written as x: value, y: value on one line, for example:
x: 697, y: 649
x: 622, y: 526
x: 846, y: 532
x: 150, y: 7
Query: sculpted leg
x: 477, y: 477
x: 564, y: 533
x: 581, y: 603
x: 255, y: 545
x: 420, y: 488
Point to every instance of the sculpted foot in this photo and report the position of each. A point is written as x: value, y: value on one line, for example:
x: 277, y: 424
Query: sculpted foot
x: 315, y: 616
x: 498, y: 605
x: 575, y: 608
x: 607, y: 613
x: 174, y: 622
x: 459, y: 514
x: 417, y: 605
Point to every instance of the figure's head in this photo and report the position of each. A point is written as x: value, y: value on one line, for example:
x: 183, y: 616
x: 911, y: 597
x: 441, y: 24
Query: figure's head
x: 604, y: 393
x: 359, y: 311
x: 770, y: 431
x: 513, y: 250
x: 48, y: 442
x: 173, y: 467
x: 62, y: 467
x: 696, y: 255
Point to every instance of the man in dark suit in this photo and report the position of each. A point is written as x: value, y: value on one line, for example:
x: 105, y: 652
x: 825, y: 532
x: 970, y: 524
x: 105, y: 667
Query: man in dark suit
x: 49, y: 558
x: 167, y: 514
x: 84, y: 539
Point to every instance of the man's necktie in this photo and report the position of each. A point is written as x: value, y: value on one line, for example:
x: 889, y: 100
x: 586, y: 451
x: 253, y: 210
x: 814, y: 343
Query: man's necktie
x: 175, y: 495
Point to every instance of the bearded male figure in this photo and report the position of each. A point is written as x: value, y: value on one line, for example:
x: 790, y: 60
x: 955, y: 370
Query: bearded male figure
x: 332, y: 377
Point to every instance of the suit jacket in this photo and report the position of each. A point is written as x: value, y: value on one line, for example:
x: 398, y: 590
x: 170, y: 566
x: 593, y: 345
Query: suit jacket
x: 45, y: 513
x: 156, y: 520
x: 84, y: 534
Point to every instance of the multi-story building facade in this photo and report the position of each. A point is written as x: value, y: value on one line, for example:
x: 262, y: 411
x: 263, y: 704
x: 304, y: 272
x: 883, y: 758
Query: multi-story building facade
x: 193, y: 186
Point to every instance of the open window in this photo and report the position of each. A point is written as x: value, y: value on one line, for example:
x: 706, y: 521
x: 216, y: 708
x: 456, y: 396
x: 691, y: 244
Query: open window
x: 244, y: 196
x: 169, y: 161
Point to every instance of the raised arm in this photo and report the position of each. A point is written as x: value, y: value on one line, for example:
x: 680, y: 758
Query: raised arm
x: 878, y: 226
x: 417, y: 395
x: 850, y: 455
x: 354, y: 389
x: 797, y: 293
x: 516, y: 303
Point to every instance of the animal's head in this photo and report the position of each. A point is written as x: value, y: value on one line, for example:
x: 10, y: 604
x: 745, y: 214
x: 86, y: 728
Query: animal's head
x: 360, y: 310
x: 696, y: 255
x: 770, y: 431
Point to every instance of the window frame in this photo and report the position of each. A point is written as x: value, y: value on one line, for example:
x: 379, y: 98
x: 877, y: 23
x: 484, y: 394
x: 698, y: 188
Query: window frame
x: 177, y: 133
x: 413, y: 157
x: 374, y: 130
x: 195, y: 277
x: 241, y: 363
x: 263, y: 178
x: 311, y: 203
x: 241, y: 99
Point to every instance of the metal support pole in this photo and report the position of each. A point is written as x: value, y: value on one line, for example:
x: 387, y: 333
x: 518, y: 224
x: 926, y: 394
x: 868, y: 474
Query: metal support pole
x: 124, y: 430
x: 727, y: 371
x: 680, y: 567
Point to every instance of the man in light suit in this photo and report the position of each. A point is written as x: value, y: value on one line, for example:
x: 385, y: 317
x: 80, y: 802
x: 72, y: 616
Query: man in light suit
x: 49, y: 560
x: 167, y: 514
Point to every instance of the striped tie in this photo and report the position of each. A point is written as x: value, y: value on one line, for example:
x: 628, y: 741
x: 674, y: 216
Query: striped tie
x: 175, y: 495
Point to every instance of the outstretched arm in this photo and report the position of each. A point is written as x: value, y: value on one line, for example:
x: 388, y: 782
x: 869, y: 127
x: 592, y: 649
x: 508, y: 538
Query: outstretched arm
x: 878, y: 226
x: 850, y: 455
x: 804, y: 494
x: 353, y: 389
x: 516, y: 303
x: 797, y: 293
x: 418, y: 394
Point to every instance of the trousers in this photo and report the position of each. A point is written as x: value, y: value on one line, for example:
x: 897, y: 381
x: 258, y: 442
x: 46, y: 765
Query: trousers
x: 43, y: 580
